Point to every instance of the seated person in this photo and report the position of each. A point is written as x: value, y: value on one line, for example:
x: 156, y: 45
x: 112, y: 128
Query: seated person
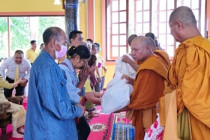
x: 18, y: 112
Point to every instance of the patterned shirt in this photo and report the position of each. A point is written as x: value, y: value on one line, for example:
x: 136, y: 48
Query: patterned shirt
x: 72, y: 81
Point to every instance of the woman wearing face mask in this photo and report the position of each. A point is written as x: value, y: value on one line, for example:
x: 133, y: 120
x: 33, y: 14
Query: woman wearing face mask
x: 77, y: 58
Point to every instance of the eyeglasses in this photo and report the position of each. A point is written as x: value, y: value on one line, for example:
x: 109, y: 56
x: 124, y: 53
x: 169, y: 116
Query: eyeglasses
x: 86, y: 62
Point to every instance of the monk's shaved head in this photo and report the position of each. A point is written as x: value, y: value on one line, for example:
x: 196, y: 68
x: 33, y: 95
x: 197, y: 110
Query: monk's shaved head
x: 182, y: 23
x: 141, y: 40
x: 141, y: 48
x: 183, y: 14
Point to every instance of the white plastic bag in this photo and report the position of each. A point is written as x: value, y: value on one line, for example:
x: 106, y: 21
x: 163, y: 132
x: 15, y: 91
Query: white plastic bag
x: 117, y: 94
x: 125, y: 68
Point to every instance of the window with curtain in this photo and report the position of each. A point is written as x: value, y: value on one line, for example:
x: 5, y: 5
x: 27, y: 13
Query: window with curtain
x: 126, y: 17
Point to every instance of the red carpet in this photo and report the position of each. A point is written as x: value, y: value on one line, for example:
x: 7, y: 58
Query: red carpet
x: 101, y: 126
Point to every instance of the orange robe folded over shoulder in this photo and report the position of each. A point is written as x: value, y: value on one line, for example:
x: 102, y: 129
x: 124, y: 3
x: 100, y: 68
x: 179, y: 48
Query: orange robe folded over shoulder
x: 189, y: 75
x: 148, y: 88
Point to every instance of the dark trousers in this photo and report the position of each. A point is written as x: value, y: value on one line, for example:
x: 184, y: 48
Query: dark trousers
x: 19, y: 89
x: 97, y: 87
x: 102, y: 83
x: 83, y: 129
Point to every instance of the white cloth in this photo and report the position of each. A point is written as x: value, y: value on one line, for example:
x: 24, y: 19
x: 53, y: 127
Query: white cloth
x: 125, y: 68
x: 117, y: 94
x: 10, y: 65
x: 155, y: 131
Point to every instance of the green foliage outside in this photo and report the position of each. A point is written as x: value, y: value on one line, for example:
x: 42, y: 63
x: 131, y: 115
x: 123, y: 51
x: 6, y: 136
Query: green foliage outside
x: 21, y: 34
x: 3, y: 30
x: 47, y: 22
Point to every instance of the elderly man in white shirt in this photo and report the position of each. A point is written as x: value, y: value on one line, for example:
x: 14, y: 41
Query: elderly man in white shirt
x: 13, y: 69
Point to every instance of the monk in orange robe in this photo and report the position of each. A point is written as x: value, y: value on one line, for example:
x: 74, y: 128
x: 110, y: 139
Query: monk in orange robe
x: 189, y: 75
x: 154, y: 48
x: 148, y: 85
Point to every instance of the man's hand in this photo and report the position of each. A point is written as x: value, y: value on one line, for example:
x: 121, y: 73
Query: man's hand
x: 129, y: 79
x: 14, y: 85
x: 24, y: 82
x: 126, y: 59
x: 83, y: 74
x: 93, y: 97
x: 83, y: 109
x: 21, y: 82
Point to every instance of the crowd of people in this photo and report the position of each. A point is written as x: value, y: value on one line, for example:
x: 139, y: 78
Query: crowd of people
x: 65, y: 81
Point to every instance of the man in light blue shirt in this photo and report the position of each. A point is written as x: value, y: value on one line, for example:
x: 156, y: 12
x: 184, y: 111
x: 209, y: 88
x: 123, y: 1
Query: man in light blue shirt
x: 50, y: 113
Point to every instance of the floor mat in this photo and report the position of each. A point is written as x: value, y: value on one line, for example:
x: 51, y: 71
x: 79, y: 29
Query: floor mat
x: 101, y: 126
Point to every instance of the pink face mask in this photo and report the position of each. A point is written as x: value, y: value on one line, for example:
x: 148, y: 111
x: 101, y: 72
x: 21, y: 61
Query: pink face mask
x: 61, y: 53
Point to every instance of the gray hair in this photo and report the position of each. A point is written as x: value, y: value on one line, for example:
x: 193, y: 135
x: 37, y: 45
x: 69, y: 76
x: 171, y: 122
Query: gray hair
x: 50, y: 33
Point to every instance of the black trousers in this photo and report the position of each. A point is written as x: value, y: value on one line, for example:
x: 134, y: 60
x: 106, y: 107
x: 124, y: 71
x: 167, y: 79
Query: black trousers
x: 97, y: 87
x: 19, y: 89
x: 83, y: 129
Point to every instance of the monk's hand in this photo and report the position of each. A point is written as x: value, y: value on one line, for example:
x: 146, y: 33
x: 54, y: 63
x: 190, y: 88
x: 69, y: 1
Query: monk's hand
x: 93, y: 97
x: 126, y: 59
x: 122, y: 109
x: 83, y: 74
x: 128, y: 79
x: 83, y: 109
x: 118, y: 111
